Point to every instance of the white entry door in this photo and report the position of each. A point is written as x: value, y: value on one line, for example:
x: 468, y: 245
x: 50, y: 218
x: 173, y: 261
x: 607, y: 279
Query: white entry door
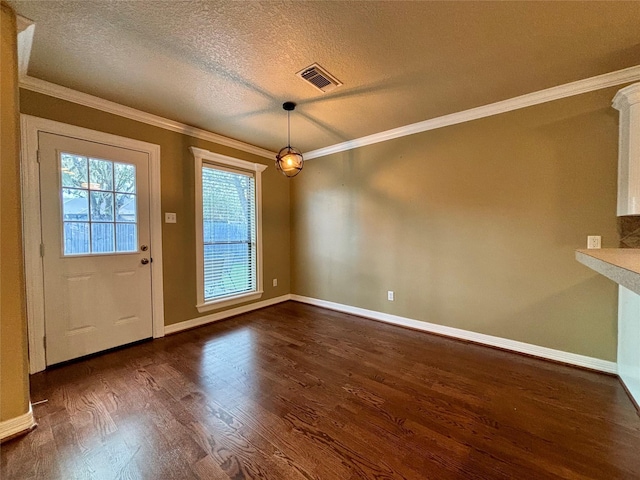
x: 96, y: 246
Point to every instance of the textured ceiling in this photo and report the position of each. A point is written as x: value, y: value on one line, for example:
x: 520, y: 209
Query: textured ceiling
x: 227, y: 66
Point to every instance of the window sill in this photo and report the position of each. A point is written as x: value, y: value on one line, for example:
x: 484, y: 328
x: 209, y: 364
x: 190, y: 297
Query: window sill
x: 228, y: 301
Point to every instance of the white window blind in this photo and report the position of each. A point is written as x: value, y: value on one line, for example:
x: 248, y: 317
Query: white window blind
x: 229, y: 232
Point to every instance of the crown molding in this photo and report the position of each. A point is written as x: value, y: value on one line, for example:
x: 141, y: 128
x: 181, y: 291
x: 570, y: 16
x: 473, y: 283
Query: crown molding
x: 627, y: 96
x: 22, y: 23
x: 599, y: 82
x: 26, y: 29
x: 64, y: 93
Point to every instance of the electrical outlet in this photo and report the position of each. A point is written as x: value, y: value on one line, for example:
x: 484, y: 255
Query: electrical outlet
x: 275, y: 282
x: 170, y: 217
x: 390, y: 295
x: 593, y: 241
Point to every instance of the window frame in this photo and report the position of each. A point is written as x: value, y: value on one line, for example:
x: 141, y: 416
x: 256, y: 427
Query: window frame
x: 206, y: 158
x: 89, y: 221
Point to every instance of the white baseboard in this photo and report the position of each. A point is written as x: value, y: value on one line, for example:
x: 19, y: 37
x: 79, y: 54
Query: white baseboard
x: 504, y: 343
x: 16, y: 425
x: 513, y: 345
x: 214, y: 317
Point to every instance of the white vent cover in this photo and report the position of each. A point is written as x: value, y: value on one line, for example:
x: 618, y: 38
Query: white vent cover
x: 319, y: 78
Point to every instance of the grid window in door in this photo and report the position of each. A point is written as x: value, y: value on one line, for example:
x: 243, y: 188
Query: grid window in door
x: 99, y: 205
x: 229, y: 232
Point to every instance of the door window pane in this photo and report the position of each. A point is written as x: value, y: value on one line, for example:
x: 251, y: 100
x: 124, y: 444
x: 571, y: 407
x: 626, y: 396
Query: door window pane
x: 125, y: 177
x: 75, y: 205
x: 73, y: 169
x: 125, y: 208
x: 76, y: 238
x: 101, y: 207
x: 126, y: 237
x: 100, y: 174
x: 95, y: 218
x: 102, y: 237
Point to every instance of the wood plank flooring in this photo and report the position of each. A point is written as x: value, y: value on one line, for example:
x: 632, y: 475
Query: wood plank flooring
x: 298, y: 392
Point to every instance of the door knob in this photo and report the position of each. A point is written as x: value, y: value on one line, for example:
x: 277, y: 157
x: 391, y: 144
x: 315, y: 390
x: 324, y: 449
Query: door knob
x: 144, y: 248
x: 144, y: 261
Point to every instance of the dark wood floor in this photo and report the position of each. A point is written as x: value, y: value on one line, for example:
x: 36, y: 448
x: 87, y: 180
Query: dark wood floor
x: 298, y: 392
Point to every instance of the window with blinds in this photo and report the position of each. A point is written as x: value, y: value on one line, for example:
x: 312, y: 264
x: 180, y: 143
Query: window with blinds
x: 228, y: 232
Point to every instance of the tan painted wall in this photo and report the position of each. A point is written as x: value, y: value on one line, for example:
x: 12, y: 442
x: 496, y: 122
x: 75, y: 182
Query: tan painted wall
x: 178, y: 195
x: 473, y: 226
x: 14, y: 376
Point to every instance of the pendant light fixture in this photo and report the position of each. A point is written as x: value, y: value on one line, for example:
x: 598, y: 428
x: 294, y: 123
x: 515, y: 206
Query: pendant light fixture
x: 289, y: 160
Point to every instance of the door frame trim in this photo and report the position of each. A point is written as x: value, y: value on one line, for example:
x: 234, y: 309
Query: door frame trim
x: 32, y: 224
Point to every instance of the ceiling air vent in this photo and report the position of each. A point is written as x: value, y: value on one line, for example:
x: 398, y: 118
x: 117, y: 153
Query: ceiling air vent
x: 319, y: 78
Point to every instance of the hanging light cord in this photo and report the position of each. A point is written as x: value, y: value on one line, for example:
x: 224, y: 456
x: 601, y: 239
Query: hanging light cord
x: 288, y: 128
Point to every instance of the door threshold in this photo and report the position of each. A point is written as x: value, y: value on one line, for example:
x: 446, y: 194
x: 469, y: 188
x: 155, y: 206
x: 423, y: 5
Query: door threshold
x: 97, y: 354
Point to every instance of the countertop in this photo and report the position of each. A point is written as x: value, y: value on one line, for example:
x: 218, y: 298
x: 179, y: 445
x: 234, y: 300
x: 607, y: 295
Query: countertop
x: 622, y: 265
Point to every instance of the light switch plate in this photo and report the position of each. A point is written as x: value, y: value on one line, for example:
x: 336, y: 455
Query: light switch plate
x: 170, y: 217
